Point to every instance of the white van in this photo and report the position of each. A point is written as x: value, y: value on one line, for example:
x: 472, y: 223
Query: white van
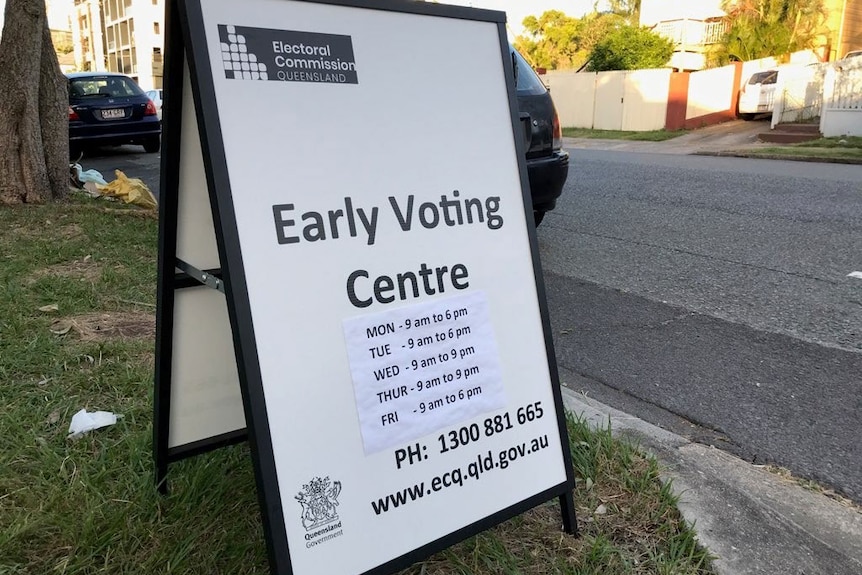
x: 758, y: 94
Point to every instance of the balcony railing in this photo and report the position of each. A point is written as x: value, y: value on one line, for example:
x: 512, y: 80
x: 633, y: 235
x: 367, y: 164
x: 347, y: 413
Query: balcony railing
x: 691, y: 34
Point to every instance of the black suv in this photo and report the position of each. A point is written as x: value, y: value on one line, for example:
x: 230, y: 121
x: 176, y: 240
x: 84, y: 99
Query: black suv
x: 547, y: 162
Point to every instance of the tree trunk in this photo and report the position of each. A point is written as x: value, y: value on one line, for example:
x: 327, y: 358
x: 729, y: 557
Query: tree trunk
x: 34, y: 125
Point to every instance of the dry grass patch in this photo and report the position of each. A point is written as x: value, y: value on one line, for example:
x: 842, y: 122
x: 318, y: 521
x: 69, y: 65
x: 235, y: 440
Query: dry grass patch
x: 45, y: 230
x: 131, y: 211
x: 121, y: 325
x: 19, y: 232
x: 69, y: 232
x: 810, y: 485
x: 84, y: 269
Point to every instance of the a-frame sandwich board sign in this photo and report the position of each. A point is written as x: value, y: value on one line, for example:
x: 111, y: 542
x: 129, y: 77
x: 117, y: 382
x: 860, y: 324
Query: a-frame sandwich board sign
x: 349, y: 177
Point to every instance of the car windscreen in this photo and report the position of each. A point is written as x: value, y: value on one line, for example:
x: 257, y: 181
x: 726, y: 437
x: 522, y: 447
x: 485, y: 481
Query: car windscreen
x: 769, y: 77
x: 528, y: 83
x: 103, y: 86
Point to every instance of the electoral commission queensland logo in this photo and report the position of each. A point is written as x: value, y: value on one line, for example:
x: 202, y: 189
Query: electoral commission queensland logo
x: 286, y: 55
x: 319, y: 501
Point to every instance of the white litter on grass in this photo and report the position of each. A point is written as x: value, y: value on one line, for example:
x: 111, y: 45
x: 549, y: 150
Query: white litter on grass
x: 82, y: 422
x: 855, y: 275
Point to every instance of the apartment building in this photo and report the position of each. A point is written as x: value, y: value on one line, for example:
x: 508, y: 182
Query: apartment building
x: 125, y: 36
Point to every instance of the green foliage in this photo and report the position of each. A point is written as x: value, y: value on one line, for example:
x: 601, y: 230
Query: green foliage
x: 630, y: 10
x: 630, y: 48
x: 551, y: 40
x: 63, y: 48
x: 596, y: 27
x: 559, y: 42
x: 762, y: 28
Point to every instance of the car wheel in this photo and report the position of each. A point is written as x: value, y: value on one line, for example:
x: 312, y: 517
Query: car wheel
x: 153, y: 145
x: 538, y: 216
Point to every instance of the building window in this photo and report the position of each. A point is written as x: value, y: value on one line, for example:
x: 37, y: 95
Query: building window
x: 156, y: 28
x: 124, y: 33
x: 126, y: 59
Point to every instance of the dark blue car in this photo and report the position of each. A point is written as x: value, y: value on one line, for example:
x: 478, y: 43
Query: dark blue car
x: 110, y: 109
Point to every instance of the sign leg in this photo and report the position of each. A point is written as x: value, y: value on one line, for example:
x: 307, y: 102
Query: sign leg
x: 162, y: 479
x: 567, y: 509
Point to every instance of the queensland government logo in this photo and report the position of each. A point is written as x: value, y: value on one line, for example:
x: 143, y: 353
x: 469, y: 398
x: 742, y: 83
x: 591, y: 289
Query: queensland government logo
x: 319, y: 500
x: 249, y: 53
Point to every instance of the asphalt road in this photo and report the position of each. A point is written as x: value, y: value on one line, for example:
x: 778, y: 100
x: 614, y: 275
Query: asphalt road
x: 711, y: 296
x: 707, y: 295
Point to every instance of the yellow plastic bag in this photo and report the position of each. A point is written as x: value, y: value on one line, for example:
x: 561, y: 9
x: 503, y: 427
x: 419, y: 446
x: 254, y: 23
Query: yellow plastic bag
x: 130, y: 190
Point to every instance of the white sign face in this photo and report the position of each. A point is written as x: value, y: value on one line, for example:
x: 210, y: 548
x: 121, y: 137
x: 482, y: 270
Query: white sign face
x: 422, y: 368
x: 375, y: 182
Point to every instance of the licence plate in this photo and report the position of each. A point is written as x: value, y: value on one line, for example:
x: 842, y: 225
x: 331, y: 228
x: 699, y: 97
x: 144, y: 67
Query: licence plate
x: 113, y: 114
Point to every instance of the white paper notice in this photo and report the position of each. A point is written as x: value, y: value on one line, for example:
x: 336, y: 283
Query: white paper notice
x: 422, y: 368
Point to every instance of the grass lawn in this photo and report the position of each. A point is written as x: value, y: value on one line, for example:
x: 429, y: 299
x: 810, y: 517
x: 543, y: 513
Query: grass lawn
x: 846, y: 143
x: 849, y: 148
x: 799, y: 151
x: 77, y: 303
x: 651, y: 136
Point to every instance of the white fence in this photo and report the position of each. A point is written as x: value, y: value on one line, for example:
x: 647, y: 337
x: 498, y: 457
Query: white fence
x: 842, y: 99
x: 799, y: 93
x: 639, y: 100
x: 574, y: 96
x: 633, y: 100
x: 710, y: 91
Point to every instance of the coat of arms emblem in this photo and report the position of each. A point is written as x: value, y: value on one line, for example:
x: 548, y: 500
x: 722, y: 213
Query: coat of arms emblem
x: 319, y: 500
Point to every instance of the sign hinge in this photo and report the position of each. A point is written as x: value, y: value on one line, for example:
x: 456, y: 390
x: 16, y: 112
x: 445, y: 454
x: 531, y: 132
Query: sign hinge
x: 205, y: 278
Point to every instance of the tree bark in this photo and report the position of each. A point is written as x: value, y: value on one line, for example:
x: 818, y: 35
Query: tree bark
x: 54, y: 117
x: 34, y: 125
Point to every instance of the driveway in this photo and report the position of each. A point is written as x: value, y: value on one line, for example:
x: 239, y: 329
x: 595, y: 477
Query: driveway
x: 734, y: 135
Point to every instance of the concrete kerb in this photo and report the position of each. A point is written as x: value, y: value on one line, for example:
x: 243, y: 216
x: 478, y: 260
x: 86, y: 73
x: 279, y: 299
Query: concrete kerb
x: 744, y: 154
x: 754, y: 521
